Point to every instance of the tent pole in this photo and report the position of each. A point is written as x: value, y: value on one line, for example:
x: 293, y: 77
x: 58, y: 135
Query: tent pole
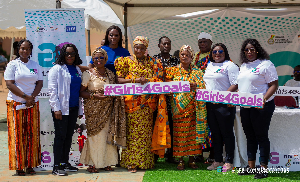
x: 11, y: 49
x: 125, y: 26
x: 58, y: 4
x: 89, y: 41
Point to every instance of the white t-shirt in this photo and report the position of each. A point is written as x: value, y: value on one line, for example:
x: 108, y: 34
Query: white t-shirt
x: 255, y: 76
x: 220, y: 76
x: 292, y: 83
x: 25, y: 76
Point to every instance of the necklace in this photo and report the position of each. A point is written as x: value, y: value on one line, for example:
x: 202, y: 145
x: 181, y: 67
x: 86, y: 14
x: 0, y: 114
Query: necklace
x: 183, y: 77
x: 100, y: 78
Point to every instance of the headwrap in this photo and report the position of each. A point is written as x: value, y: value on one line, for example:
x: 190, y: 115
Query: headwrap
x: 141, y: 40
x: 188, y: 48
x: 204, y: 35
x: 100, y: 50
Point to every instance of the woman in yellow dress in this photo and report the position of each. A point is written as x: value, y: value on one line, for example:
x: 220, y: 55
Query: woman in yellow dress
x: 138, y: 68
x: 189, y: 115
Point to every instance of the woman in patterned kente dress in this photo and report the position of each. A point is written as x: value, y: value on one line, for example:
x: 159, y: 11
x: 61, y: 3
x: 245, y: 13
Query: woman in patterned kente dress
x: 189, y: 115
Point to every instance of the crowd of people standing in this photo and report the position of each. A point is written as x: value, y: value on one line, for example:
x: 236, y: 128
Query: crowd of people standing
x: 127, y: 122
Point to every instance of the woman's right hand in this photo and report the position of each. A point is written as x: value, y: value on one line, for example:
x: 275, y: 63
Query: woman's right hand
x: 58, y: 115
x: 99, y: 96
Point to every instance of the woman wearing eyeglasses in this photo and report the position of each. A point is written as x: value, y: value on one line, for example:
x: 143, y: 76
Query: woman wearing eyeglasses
x: 221, y: 74
x: 64, y: 81
x: 105, y: 116
x: 257, y: 75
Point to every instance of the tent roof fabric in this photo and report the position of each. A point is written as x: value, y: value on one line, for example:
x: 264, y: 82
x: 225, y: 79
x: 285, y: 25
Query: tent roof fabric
x: 141, y: 11
x: 98, y: 15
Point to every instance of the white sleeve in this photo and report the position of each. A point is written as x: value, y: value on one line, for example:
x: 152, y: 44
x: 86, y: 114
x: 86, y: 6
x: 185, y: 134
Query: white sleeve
x: 10, y: 71
x: 53, y: 89
x: 233, y: 73
x: 288, y: 83
x: 271, y: 73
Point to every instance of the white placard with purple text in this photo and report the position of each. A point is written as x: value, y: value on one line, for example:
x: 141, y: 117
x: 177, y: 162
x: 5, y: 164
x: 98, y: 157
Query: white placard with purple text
x: 226, y: 97
x: 287, y: 91
x: 148, y: 88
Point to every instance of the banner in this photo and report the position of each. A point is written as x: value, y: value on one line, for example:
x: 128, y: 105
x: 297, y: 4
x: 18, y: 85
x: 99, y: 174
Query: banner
x: 277, y: 30
x: 287, y: 91
x: 234, y: 98
x: 49, y: 30
x: 148, y: 88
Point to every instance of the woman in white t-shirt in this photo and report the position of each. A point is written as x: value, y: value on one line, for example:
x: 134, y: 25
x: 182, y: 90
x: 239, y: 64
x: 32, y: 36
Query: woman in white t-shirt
x: 257, y: 75
x: 221, y: 75
x: 24, y: 80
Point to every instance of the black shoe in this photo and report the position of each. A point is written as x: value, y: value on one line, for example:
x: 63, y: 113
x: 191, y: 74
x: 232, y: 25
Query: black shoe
x: 260, y: 175
x: 68, y: 167
x: 247, y: 171
x: 59, y: 171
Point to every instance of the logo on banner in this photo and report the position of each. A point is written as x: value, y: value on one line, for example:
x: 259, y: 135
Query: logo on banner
x: 70, y: 28
x: 40, y: 29
x: 275, y: 39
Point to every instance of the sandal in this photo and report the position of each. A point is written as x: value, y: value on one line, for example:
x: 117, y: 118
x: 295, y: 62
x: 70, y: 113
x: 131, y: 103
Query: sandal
x: 180, y: 165
x: 92, y: 169
x: 108, y: 168
x: 20, y: 172
x: 193, y: 165
x: 30, y: 171
x: 132, y: 169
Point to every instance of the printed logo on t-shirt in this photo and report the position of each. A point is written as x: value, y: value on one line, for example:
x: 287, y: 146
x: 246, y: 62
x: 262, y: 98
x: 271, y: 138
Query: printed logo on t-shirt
x: 77, y: 74
x: 219, y: 71
x: 33, y: 71
x: 255, y: 70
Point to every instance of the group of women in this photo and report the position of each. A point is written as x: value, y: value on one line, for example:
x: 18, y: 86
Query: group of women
x: 127, y: 121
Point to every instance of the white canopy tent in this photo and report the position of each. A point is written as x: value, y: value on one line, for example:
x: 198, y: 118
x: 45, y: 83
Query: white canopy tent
x: 132, y: 12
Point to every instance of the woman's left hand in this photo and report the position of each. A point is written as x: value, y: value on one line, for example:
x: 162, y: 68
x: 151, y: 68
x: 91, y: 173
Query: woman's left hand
x: 193, y: 86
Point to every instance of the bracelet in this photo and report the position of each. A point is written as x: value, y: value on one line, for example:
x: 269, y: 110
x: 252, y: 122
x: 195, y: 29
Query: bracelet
x: 24, y: 96
x: 133, y: 80
x: 91, y: 95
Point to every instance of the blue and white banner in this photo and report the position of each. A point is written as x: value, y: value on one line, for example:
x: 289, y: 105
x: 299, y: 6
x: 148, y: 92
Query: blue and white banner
x: 49, y: 30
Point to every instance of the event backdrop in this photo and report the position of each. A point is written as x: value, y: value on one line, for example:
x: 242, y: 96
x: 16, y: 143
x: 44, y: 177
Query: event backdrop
x: 279, y: 34
x: 49, y: 30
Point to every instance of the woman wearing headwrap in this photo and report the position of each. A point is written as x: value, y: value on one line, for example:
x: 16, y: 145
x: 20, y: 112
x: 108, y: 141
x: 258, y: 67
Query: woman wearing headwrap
x: 105, y: 116
x: 138, y: 68
x: 189, y: 115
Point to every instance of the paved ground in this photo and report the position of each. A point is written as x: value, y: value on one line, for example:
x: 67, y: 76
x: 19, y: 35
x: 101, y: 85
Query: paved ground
x: 119, y: 175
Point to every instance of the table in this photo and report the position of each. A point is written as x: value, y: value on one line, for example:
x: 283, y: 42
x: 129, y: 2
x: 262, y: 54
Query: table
x: 284, y: 139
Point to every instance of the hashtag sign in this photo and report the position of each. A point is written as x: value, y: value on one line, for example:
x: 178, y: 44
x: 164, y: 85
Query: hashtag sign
x: 108, y: 90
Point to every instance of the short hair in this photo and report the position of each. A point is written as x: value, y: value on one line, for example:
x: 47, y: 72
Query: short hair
x: 298, y: 66
x: 120, y: 34
x: 61, y: 59
x: 261, y: 53
x: 163, y: 37
x: 19, y: 45
x: 225, y: 51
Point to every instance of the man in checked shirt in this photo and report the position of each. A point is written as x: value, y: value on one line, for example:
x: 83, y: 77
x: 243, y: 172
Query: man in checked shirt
x: 167, y: 60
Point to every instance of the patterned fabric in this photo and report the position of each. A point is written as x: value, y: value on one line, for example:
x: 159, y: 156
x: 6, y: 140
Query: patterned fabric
x: 141, y: 40
x: 23, y: 136
x: 139, y: 131
x: 201, y: 60
x: 139, y: 109
x: 170, y: 62
x: 189, y: 116
x: 110, y: 109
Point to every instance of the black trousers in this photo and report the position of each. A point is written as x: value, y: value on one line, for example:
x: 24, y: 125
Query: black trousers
x: 256, y: 124
x: 64, y: 130
x: 220, y: 120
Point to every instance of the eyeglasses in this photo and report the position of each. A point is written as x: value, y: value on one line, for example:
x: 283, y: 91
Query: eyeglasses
x: 250, y: 49
x: 72, y: 54
x: 296, y: 72
x: 98, y: 58
x: 219, y: 51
